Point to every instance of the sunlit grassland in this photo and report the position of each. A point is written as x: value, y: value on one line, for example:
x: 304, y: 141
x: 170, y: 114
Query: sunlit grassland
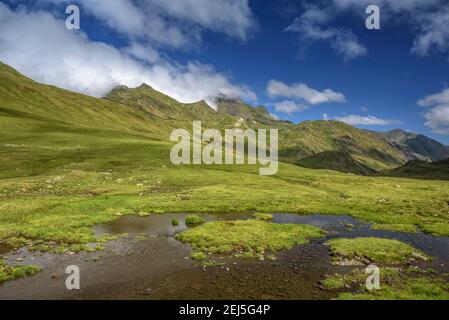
x: 56, y: 186
x: 69, y: 161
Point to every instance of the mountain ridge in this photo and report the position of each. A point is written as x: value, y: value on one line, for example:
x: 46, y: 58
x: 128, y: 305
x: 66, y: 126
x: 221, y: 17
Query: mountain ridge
x: 416, y: 146
x: 145, y: 111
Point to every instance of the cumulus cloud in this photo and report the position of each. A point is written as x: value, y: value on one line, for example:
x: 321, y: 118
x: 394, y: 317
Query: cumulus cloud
x: 428, y: 19
x: 175, y: 23
x: 38, y: 45
x: 434, y: 36
x: 393, y: 5
x: 313, y: 25
x: 303, y: 92
x: 437, y: 116
x: 356, y: 120
x: 289, y: 107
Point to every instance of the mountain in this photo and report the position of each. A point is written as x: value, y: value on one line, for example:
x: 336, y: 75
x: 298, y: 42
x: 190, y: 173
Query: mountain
x: 313, y: 137
x: 415, y: 146
x: 337, y: 161
x: 246, y: 113
x: 419, y: 169
x: 166, y: 110
x: 29, y: 109
x: 296, y: 141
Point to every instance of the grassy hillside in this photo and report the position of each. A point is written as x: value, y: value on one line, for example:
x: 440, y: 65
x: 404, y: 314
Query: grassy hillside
x: 335, y: 160
x: 311, y: 137
x: 438, y: 170
x: 68, y: 161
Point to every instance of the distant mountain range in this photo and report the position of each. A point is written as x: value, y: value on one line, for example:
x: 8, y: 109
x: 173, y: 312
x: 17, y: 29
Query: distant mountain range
x: 416, y: 146
x: 144, y: 111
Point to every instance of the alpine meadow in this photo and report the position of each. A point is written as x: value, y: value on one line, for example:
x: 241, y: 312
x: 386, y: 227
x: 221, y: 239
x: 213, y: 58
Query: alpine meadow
x: 131, y: 170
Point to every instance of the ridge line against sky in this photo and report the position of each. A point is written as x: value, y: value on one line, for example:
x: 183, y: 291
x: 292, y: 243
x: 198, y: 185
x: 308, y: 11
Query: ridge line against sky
x: 304, y: 60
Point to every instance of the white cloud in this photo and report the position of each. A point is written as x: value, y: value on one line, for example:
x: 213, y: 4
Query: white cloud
x: 434, y: 36
x: 232, y: 17
x: 356, y: 120
x: 175, y: 23
x: 302, y: 91
x: 393, y: 5
x: 437, y: 116
x: 289, y: 107
x: 38, y: 45
x: 312, y: 25
x: 428, y: 19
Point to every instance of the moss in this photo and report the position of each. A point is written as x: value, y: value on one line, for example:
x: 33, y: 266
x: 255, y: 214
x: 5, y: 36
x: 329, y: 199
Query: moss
x: 198, y: 255
x: 193, y: 219
x: 404, y: 288
x: 375, y: 250
x: 249, y: 238
x: 175, y: 222
x: 263, y: 216
x: 334, y: 282
x: 110, y: 237
x: 144, y: 214
x: 16, y: 242
x: 212, y: 263
x: 410, y: 228
x: 437, y: 229
x: 8, y: 272
x: 395, y: 284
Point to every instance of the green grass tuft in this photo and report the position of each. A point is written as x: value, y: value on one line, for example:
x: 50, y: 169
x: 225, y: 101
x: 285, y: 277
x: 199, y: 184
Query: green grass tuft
x: 194, y: 219
x: 375, y: 250
x: 8, y: 272
x: 250, y: 238
x: 263, y: 216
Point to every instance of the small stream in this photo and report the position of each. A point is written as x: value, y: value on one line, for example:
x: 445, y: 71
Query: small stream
x: 156, y: 266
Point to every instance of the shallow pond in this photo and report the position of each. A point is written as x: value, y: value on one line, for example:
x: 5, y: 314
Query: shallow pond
x: 151, y: 264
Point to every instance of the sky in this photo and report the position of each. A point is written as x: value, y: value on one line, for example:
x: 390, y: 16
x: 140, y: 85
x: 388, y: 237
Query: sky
x: 302, y: 60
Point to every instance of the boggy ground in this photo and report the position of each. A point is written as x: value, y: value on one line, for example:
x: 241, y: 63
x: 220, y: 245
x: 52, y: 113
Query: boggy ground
x: 149, y: 263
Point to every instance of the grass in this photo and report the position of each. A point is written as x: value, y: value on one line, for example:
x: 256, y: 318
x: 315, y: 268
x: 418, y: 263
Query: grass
x: 248, y: 238
x: 198, y: 256
x: 100, y: 160
x: 412, y: 289
x: 375, y: 250
x: 194, y: 219
x: 395, y: 284
x: 8, y: 272
x: 263, y: 216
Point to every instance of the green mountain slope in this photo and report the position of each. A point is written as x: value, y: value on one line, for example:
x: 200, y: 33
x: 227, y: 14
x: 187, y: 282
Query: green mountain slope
x: 23, y: 98
x: 251, y: 116
x: 335, y: 160
x: 68, y: 161
x: 419, y: 169
x: 312, y: 137
x: 29, y: 108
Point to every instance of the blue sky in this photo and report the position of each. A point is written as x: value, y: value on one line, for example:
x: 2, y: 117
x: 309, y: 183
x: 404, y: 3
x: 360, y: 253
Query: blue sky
x: 303, y: 60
